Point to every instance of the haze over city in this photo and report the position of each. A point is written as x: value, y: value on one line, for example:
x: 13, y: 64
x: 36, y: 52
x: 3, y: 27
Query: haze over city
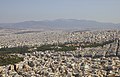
x: 30, y: 10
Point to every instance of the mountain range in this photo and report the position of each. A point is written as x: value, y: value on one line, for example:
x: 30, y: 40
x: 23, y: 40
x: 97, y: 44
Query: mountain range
x: 61, y: 24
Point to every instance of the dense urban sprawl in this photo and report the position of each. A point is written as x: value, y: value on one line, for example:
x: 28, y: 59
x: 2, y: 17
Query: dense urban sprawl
x: 57, y: 53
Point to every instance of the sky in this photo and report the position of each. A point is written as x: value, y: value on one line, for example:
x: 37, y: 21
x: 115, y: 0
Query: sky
x: 29, y: 10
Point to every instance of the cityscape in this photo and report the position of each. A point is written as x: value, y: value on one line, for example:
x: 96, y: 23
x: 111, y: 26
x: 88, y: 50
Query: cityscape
x: 60, y: 53
x: 59, y: 38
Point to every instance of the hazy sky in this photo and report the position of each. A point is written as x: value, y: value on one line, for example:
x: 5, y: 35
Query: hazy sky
x: 25, y: 10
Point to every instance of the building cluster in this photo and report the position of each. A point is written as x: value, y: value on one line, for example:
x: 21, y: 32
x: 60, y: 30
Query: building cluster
x: 31, y: 38
x: 84, y: 62
x: 62, y: 64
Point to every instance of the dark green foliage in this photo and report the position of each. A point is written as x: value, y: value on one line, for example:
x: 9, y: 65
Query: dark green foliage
x: 59, y: 47
x: 67, y: 48
x: 45, y: 47
x: 97, y: 44
x: 9, y: 59
x: 63, y: 47
x: 20, y: 49
x: 6, y: 57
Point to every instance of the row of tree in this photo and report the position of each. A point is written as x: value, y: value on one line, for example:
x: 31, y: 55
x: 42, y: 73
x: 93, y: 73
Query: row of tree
x: 56, y: 47
x: 97, y: 44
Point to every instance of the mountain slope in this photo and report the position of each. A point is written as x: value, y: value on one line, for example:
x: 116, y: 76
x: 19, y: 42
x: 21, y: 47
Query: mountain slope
x: 62, y: 24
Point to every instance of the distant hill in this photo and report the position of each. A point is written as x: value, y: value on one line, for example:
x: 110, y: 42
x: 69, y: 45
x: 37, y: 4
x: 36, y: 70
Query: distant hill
x: 61, y: 24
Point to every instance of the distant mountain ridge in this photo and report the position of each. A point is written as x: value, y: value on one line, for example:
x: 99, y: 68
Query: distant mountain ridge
x: 61, y: 24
